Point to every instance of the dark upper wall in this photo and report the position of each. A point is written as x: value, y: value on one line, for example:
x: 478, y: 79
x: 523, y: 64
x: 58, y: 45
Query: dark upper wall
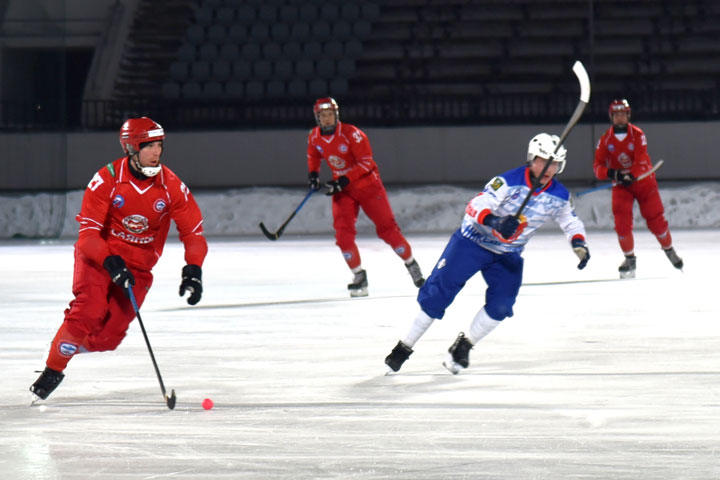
x: 46, y: 161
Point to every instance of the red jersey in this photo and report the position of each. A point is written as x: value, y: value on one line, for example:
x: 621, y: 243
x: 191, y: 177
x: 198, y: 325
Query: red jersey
x: 121, y: 215
x: 630, y: 153
x: 347, y: 152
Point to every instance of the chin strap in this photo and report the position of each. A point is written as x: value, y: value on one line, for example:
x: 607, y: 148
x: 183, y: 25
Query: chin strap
x: 147, y: 171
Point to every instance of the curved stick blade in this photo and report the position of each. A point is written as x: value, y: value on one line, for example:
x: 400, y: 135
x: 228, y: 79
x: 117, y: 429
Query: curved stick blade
x: 267, y: 233
x: 171, y: 400
x: 582, y: 76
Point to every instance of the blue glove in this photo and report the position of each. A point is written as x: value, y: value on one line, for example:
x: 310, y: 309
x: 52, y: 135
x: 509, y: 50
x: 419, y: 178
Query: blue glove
x: 505, y: 226
x: 335, y: 186
x: 581, y: 250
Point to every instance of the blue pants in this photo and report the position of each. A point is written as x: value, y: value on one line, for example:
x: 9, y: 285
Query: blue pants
x: 462, y: 259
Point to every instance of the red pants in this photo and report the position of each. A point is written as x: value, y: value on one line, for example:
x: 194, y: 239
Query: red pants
x: 98, y: 318
x: 651, y: 208
x: 374, y: 202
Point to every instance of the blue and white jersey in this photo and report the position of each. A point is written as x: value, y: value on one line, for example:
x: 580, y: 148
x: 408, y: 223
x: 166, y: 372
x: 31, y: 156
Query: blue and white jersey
x: 503, y: 195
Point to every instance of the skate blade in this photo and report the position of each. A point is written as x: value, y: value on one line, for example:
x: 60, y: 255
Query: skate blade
x: 359, y: 292
x: 630, y: 274
x: 453, y: 367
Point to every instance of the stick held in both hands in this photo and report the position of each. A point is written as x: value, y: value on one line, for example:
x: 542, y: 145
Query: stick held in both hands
x: 171, y: 399
x: 274, y: 236
x: 610, y: 185
x: 584, y: 81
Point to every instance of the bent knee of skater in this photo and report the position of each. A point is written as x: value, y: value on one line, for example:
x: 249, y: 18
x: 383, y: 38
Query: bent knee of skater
x: 499, y: 311
x: 104, y: 343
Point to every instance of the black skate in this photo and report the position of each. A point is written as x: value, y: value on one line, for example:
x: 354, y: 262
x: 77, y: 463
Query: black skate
x: 459, y: 358
x: 415, y: 273
x: 627, y: 268
x: 674, y: 259
x: 46, y: 383
x: 359, y: 285
x: 397, y: 357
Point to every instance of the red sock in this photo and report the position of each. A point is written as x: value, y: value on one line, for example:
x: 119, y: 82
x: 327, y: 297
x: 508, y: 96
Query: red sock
x: 63, y: 347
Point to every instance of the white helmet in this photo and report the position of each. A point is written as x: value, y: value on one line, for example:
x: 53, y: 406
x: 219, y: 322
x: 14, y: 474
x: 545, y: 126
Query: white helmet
x: 543, y: 145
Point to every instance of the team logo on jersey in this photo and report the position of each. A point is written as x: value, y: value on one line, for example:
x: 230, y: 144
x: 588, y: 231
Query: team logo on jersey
x: 336, y: 162
x: 631, y: 147
x: 497, y: 183
x: 160, y: 205
x: 343, y: 148
x: 118, y: 201
x: 67, y: 349
x: 135, y: 223
x: 319, y: 149
x: 625, y: 160
x: 611, y: 148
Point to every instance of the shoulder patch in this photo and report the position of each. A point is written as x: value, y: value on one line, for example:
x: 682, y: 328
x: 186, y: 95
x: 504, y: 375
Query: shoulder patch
x: 111, y: 169
x: 497, y: 183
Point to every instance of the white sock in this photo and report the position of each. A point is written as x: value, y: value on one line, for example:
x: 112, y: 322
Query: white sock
x: 409, y: 260
x: 357, y: 269
x: 420, y: 325
x: 481, y: 325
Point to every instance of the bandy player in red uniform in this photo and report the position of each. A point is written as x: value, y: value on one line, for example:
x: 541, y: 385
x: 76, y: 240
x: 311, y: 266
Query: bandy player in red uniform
x: 621, y: 156
x: 356, y: 183
x: 124, y: 222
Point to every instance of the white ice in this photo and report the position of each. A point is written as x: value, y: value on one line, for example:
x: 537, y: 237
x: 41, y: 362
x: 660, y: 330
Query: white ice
x: 593, y: 378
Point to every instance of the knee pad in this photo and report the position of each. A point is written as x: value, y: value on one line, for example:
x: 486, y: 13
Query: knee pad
x: 499, y: 310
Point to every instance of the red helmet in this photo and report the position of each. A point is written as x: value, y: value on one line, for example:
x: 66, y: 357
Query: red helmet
x: 136, y: 131
x: 619, y: 106
x: 327, y: 103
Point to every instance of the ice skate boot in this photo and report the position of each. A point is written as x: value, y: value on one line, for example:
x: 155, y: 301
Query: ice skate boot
x: 46, y: 383
x: 627, y: 268
x: 415, y: 273
x: 674, y: 259
x: 397, y: 357
x: 459, y: 358
x: 359, y: 285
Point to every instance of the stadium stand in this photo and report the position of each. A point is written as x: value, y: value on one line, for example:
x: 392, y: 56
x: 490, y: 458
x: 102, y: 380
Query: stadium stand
x: 397, y: 61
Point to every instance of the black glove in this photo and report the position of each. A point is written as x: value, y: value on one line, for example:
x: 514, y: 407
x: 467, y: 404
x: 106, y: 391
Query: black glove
x: 191, y: 282
x: 335, y: 186
x: 505, y: 226
x: 581, y: 250
x: 119, y: 273
x: 618, y: 176
x: 314, y: 181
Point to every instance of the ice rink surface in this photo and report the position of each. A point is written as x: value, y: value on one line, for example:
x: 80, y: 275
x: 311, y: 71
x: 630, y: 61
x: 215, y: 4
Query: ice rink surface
x: 593, y: 378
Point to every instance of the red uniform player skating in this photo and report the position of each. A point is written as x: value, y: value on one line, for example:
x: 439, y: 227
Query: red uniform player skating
x: 356, y: 184
x: 124, y: 222
x: 621, y: 156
